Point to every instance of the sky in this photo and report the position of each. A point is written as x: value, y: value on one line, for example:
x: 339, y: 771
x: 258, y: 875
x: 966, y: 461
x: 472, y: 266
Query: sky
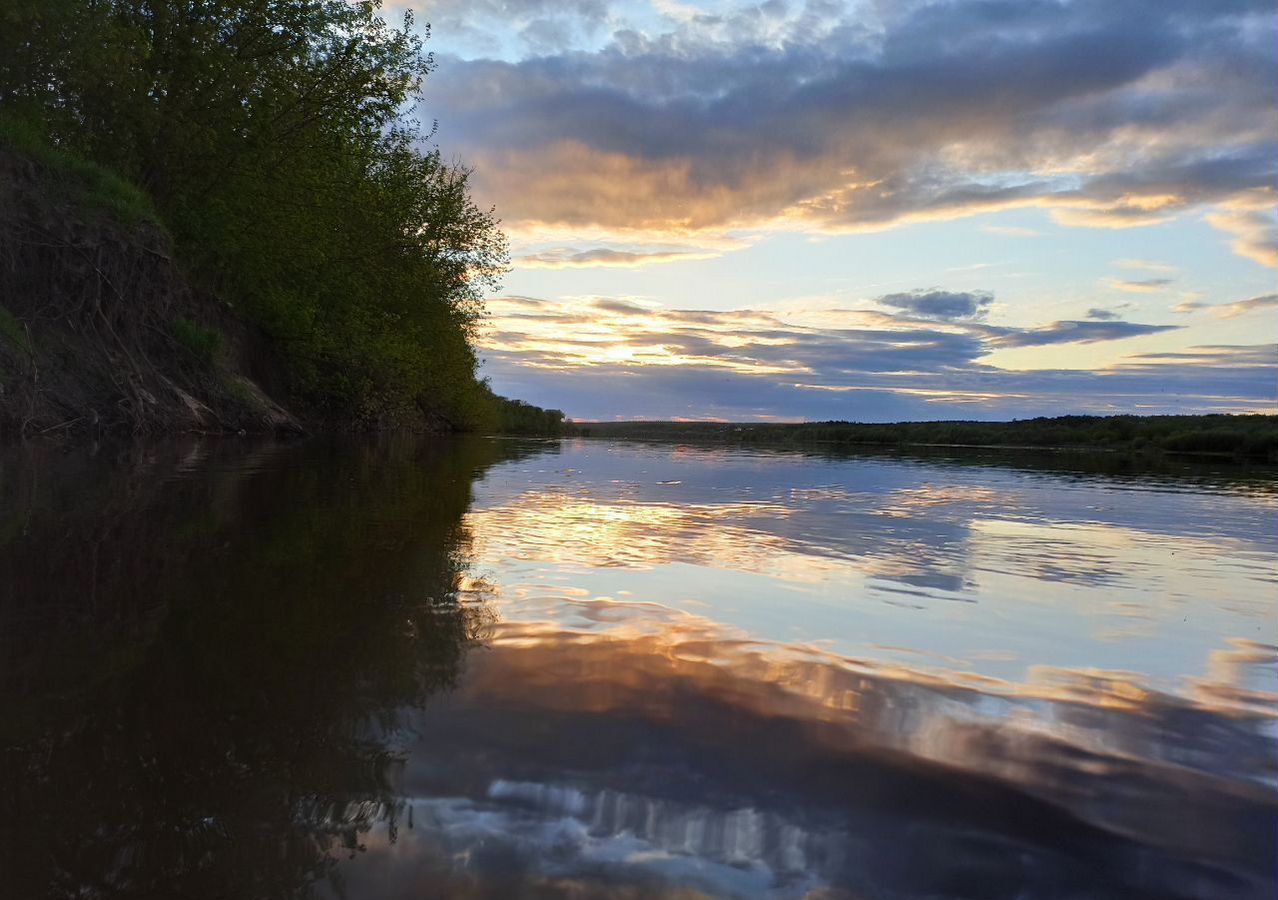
x: 871, y: 210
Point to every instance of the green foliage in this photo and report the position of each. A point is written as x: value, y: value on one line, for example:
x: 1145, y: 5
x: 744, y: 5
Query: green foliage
x: 518, y: 417
x: 502, y: 415
x: 273, y: 137
x: 1256, y: 442
x: 12, y: 329
x: 202, y: 343
x: 236, y: 387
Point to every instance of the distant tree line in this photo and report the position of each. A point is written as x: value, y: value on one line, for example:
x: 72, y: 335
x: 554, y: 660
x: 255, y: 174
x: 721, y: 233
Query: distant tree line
x: 1249, y: 436
x: 272, y: 140
x: 518, y: 417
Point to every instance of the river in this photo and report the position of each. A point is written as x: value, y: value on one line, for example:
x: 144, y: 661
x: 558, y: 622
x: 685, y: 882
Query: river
x: 383, y: 668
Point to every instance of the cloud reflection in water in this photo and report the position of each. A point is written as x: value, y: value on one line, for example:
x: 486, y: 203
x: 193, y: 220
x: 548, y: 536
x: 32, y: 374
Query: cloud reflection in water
x: 746, y: 674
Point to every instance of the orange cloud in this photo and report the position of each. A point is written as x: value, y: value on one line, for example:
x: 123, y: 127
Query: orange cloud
x: 1252, y: 219
x: 569, y: 258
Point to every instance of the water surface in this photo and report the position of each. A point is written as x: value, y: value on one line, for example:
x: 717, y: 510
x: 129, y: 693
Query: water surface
x: 403, y: 668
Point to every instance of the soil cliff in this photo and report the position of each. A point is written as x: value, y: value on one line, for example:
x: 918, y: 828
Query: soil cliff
x: 100, y: 331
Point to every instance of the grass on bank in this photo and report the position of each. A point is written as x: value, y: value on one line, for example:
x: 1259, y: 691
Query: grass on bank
x: 77, y: 180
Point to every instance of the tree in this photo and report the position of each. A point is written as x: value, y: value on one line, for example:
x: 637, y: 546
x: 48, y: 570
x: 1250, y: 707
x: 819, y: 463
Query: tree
x: 276, y: 140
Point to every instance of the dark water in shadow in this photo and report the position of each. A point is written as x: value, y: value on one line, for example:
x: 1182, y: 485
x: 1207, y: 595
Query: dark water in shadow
x: 401, y: 668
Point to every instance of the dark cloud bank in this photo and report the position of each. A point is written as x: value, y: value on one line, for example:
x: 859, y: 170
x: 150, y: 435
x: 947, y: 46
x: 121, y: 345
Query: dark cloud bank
x: 1111, y: 113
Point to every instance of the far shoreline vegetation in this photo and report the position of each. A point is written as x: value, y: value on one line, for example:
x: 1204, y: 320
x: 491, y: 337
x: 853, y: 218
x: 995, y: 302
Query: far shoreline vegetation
x: 1219, y: 436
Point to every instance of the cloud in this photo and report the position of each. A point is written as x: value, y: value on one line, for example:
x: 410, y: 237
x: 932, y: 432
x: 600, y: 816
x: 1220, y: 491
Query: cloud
x: 1253, y: 222
x: 1146, y: 265
x: 599, y: 357
x: 1241, y: 307
x: 1011, y: 231
x: 541, y: 26
x: 1086, y: 332
x: 940, y: 305
x: 1211, y: 380
x: 1233, y: 356
x: 1230, y: 310
x: 1107, y: 315
x: 1139, y: 286
x: 812, y: 119
x: 939, y: 331
x: 568, y: 258
x: 621, y: 307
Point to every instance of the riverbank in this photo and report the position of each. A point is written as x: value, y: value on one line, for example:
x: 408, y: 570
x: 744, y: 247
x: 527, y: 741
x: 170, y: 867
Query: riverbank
x: 103, y: 331
x: 250, y: 232
x: 100, y: 330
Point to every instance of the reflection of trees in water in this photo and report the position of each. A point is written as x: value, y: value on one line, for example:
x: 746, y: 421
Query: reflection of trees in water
x: 196, y: 669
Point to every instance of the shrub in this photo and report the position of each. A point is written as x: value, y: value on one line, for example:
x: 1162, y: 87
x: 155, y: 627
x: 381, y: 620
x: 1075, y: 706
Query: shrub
x: 202, y: 343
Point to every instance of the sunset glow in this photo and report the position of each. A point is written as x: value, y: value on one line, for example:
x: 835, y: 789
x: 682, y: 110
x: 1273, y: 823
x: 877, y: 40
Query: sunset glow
x: 741, y: 210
